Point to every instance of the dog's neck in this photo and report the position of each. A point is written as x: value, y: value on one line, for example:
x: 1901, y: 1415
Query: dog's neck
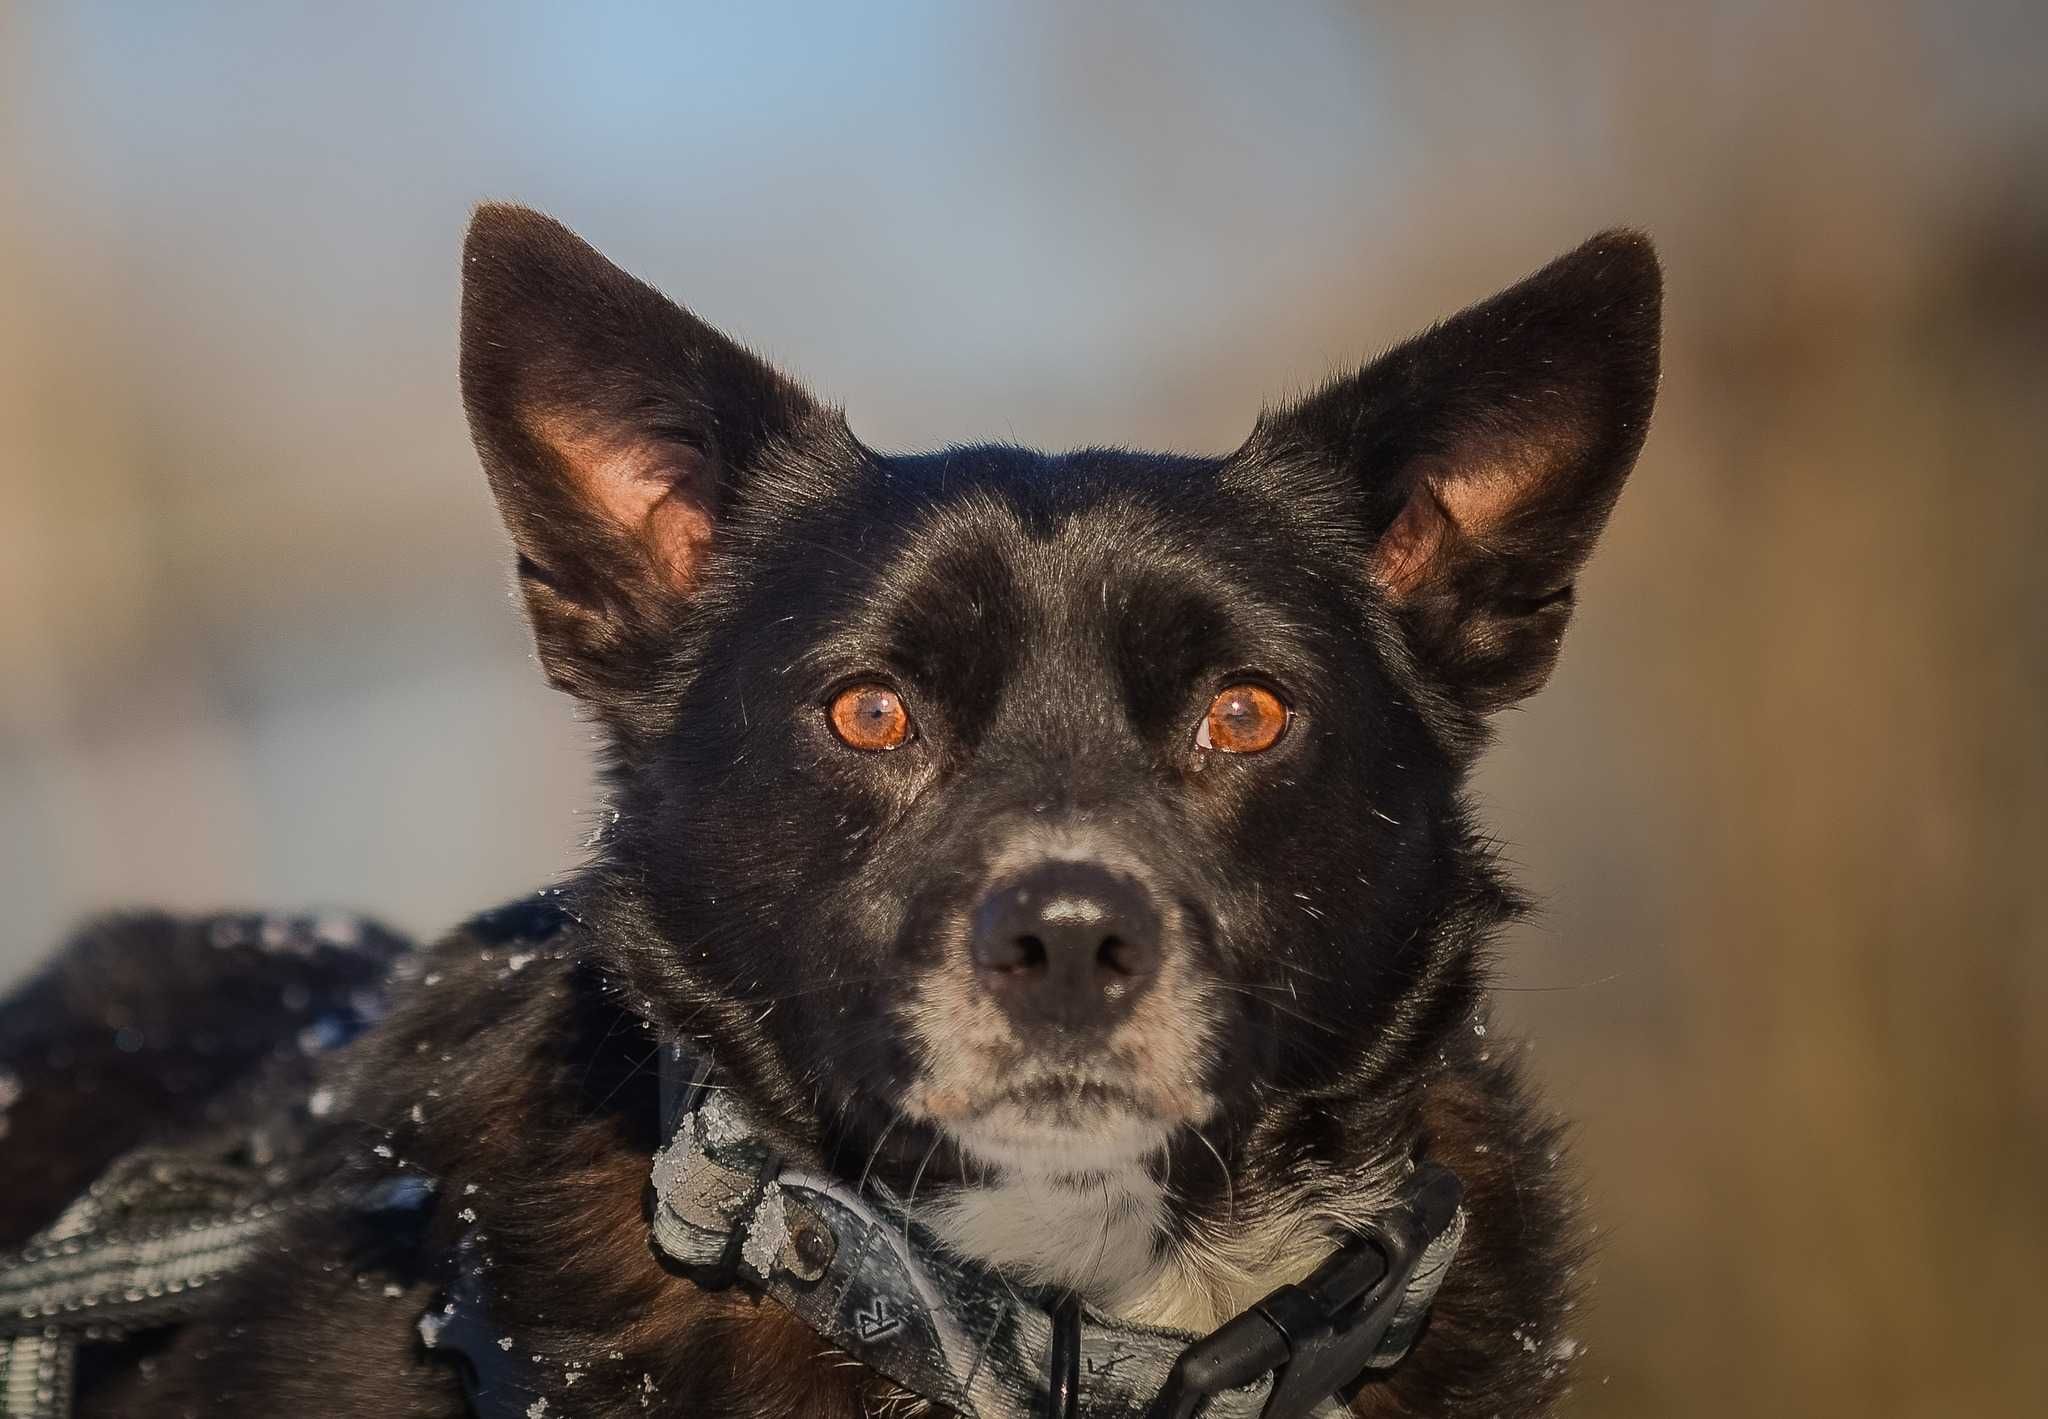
x: 1114, y: 1239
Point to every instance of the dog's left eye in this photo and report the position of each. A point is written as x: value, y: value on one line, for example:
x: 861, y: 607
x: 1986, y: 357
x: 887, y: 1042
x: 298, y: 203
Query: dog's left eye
x: 870, y: 717
x: 1244, y: 719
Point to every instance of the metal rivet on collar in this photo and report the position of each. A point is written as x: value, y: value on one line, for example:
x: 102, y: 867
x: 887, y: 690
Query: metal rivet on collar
x: 811, y: 1249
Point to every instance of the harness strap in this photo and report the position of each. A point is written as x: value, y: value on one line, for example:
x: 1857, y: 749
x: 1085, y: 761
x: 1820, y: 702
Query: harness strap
x: 75, y: 1287
x: 36, y: 1374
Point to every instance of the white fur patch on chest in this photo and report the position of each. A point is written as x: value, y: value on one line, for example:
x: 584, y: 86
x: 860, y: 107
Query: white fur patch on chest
x: 1105, y: 1238
x: 1097, y: 1236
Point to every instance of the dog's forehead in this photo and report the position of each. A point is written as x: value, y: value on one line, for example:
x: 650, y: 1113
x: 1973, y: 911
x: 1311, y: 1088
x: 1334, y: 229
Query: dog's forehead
x: 966, y: 567
x: 1062, y: 525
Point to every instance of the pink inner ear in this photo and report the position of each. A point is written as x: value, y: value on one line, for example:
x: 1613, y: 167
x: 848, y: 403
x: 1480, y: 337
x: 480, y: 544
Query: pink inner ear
x: 656, y: 492
x: 1409, y: 548
x: 1451, y: 504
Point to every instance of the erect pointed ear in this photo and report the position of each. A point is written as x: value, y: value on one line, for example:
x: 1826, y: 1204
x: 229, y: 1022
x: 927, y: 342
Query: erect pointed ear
x: 615, y: 428
x: 1489, y: 452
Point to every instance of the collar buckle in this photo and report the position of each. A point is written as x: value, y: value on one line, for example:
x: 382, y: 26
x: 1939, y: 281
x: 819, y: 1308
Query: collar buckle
x: 1319, y: 1335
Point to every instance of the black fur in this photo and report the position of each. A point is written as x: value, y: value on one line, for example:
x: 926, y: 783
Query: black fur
x: 708, y: 555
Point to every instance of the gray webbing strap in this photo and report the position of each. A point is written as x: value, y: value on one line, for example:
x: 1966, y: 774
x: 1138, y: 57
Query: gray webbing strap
x: 84, y: 1281
x: 36, y: 1374
x: 80, y: 1282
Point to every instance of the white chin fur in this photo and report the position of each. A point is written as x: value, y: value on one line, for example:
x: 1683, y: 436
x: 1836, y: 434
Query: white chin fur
x: 1009, y: 1138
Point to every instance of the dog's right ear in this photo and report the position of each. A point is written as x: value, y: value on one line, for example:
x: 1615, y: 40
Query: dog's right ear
x: 615, y: 428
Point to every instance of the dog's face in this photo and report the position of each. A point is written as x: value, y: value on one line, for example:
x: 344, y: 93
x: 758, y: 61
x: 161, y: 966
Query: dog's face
x: 1007, y: 777
x: 1058, y: 808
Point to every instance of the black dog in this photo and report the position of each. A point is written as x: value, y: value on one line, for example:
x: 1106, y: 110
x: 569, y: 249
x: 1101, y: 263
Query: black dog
x: 1069, y: 847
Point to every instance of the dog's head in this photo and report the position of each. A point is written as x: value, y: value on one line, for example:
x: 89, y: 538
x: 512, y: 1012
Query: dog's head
x: 1054, y: 807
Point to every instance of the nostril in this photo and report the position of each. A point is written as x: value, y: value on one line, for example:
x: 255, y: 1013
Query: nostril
x: 1015, y: 953
x: 1123, y: 958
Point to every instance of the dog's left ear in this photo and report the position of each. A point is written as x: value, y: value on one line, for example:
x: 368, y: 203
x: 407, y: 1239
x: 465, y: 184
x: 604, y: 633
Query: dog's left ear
x: 1489, y: 452
x: 619, y: 433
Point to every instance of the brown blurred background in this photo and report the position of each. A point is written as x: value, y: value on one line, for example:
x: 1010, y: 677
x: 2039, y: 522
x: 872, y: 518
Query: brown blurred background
x: 1784, y: 801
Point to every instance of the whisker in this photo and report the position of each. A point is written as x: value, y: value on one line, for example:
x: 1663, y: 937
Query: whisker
x: 887, y: 1129
x: 910, y: 1202
x: 1551, y: 989
x: 629, y: 1076
x: 1279, y: 1009
x: 1229, y: 1187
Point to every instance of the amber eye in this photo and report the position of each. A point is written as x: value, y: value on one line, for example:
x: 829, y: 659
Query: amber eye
x: 1244, y: 719
x: 870, y: 717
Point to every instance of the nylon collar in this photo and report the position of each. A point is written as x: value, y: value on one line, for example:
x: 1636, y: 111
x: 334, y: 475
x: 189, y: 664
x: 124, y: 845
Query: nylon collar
x: 871, y: 1281
x: 861, y: 1273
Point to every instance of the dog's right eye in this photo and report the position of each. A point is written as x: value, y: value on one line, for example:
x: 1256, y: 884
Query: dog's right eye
x: 870, y: 717
x: 1244, y: 719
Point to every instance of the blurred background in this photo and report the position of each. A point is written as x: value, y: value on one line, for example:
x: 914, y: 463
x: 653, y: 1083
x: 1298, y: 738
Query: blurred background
x: 1784, y: 802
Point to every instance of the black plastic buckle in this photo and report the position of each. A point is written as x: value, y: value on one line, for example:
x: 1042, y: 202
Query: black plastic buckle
x: 1318, y: 1335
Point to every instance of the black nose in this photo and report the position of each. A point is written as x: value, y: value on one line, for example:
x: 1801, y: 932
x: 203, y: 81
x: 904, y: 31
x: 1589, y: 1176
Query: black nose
x: 1067, y: 943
